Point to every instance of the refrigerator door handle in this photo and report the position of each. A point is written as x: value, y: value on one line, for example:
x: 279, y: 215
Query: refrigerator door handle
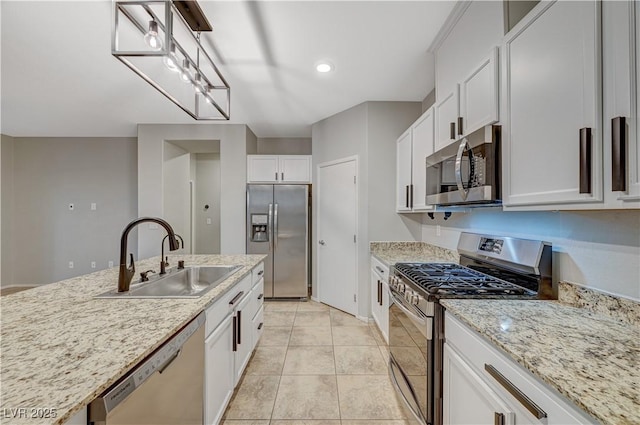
x: 275, y: 227
x: 270, y: 227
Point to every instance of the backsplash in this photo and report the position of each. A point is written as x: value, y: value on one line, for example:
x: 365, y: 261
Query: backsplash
x: 621, y: 309
x: 595, y: 249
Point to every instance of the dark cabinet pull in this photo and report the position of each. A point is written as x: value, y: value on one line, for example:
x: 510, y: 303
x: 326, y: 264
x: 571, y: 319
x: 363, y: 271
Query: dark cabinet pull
x: 406, y: 196
x: 452, y: 129
x: 585, y: 160
x: 260, y: 296
x: 515, y: 391
x: 236, y: 298
x: 239, y: 326
x: 411, y: 196
x: 619, y: 154
x: 260, y: 325
x: 498, y: 418
x: 378, y: 291
x: 282, y: 176
x: 460, y: 126
x: 276, y: 175
x: 261, y: 272
x: 235, y: 331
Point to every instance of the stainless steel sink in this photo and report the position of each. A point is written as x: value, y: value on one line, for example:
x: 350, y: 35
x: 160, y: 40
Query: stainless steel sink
x: 190, y: 282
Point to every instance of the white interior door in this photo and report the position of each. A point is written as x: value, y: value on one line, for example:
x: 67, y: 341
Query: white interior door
x: 337, y: 230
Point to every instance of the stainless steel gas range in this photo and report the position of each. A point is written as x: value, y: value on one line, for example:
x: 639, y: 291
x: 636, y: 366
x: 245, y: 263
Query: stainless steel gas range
x: 490, y: 267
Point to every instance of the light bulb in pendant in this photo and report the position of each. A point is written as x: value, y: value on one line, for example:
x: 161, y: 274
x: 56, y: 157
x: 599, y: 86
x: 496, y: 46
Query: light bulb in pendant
x: 171, y: 60
x: 185, y: 75
x: 207, y: 95
x: 197, y: 84
x: 152, y: 38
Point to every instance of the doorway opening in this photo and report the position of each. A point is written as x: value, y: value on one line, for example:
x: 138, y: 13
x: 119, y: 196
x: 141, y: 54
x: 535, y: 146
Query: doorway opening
x: 191, y: 193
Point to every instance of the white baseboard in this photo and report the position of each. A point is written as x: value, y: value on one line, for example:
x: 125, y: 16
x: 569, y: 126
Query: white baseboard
x: 314, y: 299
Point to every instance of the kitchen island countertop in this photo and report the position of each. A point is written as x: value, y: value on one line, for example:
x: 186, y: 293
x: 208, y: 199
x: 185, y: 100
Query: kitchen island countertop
x: 61, y: 348
x: 592, y: 359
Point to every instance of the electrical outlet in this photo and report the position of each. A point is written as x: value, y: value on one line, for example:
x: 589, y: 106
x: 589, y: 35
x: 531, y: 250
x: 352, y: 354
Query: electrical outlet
x: 70, y: 264
x: 110, y: 263
x: 71, y: 207
x: 94, y: 206
x: 208, y: 220
x: 153, y: 226
x: 93, y: 264
x: 438, y: 230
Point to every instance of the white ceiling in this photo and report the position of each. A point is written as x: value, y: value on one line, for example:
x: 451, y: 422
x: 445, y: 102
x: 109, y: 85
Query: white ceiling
x: 60, y: 79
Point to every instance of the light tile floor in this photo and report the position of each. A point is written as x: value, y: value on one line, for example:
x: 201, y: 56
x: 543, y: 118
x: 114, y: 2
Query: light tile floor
x: 316, y: 365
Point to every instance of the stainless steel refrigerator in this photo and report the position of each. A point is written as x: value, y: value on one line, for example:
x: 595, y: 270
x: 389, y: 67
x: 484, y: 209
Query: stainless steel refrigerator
x: 278, y: 225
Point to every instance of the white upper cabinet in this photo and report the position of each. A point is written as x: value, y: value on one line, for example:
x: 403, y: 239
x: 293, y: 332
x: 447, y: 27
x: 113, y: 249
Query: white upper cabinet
x: 422, y: 146
x: 620, y: 65
x: 467, y: 72
x: 551, y: 113
x: 403, y: 172
x: 412, y: 149
x: 447, y: 111
x: 262, y: 168
x: 479, y: 95
x: 278, y: 168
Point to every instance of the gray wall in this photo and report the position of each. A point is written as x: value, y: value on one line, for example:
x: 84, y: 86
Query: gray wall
x: 48, y: 175
x: 368, y: 131
x: 429, y: 100
x: 235, y: 141
x: 6, y: 211
x: 598, y: 249
x: 207, y: 192
x: 284, y: 146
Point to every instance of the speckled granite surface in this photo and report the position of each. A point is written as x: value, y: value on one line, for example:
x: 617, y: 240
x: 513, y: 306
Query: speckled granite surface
x: 391, y: 253
x: 60, y: 347
x: 595, y: 360
x: 621, y: 309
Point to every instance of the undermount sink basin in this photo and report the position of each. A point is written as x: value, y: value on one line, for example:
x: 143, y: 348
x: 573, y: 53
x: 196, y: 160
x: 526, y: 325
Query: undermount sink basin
x: 190, y: 282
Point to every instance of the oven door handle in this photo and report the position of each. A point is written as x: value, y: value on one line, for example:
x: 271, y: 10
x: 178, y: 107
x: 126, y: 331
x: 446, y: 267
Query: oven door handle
x: 393, y: 366
x: 400, y: 304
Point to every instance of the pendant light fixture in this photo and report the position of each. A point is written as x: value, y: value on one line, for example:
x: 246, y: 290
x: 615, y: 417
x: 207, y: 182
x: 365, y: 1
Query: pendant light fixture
x: 160, y: 40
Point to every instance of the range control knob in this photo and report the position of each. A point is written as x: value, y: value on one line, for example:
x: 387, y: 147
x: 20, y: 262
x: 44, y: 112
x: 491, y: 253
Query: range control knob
x: 408, y: 295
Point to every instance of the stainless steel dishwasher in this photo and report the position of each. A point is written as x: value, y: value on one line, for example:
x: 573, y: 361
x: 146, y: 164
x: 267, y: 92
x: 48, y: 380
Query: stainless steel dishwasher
x: 164, y: 389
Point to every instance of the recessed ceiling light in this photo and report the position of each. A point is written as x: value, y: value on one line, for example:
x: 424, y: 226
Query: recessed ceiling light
x: 324, y: 67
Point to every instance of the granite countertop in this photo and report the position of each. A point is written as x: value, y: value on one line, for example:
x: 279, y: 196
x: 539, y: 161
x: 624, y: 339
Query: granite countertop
x: 592, y: 359
x: 391, y: 253
x: 60, y: 347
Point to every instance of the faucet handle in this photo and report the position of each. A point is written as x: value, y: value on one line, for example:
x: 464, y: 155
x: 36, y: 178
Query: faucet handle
x: 132, y: 266
x: 143, y: 275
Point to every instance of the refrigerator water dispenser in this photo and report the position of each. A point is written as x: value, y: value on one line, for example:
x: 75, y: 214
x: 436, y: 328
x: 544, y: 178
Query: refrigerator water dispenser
x: 259, y: 228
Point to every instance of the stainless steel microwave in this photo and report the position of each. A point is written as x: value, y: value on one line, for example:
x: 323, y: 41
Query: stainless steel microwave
x: 467, y: 172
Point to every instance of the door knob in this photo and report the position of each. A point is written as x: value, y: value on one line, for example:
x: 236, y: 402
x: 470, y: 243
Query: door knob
x: 321, y: 242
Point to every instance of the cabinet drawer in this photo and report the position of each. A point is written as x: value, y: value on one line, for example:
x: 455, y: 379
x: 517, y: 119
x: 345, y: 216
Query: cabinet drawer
x: 257, y: 298
x: 258, y: 326
x: 478, y: 353
x: 222, y: 307
x: 380, y: 268
x: 257, y: 273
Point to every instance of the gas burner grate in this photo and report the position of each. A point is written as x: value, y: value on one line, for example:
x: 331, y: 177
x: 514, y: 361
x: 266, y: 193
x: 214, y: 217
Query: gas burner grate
x: 449, y: 279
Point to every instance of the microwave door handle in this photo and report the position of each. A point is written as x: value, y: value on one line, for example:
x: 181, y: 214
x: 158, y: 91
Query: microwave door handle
x: 458, y: 168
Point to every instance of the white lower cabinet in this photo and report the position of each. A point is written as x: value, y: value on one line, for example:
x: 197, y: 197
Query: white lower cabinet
x: 233, y: 327
x: 483, y: 385
x: 219, y: 371
x: 380, y: 296
x: 467, y: 399
x: 243, y: 346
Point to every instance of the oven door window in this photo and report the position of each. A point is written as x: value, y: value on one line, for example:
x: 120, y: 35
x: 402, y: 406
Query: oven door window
x: 409, y: 347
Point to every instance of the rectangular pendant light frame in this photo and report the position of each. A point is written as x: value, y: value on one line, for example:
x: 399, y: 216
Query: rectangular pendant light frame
x: 167, y: 26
